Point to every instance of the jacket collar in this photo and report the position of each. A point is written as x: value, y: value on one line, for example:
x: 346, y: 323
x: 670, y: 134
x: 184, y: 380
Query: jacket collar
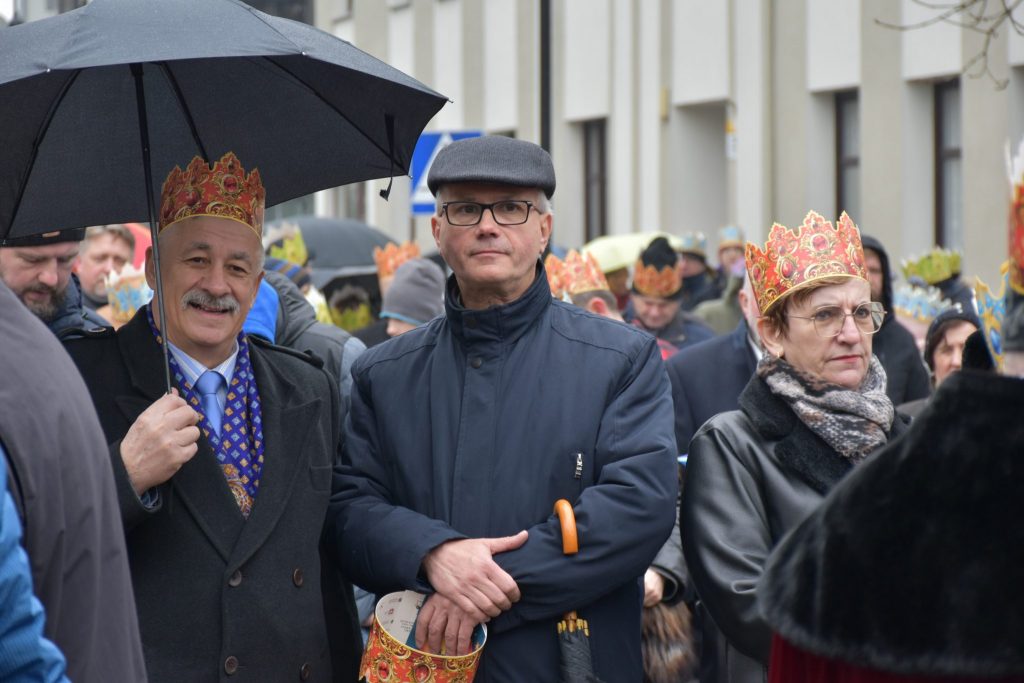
x: 503, y: 324
x: 797, y: 447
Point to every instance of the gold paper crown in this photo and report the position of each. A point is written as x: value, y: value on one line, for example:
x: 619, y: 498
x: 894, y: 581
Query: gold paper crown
x: 393, y: 255
x: 575, y: 275
x: 934, y: 267
x: 286, y: 243
x: 1016, y: 223
x: 223, y: 191
x: 992, y: 311
x: 127, y: 292
x: 650, y: 281
x: 792, y: 259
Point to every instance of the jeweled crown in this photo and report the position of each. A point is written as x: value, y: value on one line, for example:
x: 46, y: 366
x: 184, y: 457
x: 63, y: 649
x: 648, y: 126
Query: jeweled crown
x: 792, y: 259
x: 934, y: 267
x: 127, y: 292
x: 222, y: 190
x: 393, y: 255
x: 919, y: 303
x: 575, y: 275
x: 992, y: 310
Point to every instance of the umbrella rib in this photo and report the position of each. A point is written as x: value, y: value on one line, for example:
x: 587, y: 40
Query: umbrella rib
x: 389, y: 153
x: 40, y: 134
x: 166, y: 70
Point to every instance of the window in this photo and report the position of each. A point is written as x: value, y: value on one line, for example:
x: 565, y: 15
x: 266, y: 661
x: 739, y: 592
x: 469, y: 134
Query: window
x: 848, y: 153
x: 297, y: 10
x: 293, y: 207
x: 594, y: 214
x: 949, y: 229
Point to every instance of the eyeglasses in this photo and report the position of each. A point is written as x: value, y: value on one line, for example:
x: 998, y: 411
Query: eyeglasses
x: 829, y: 320
x: 505, y: 212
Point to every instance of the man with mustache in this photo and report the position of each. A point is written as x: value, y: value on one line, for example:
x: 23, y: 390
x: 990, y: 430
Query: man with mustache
x: 224, y: 482
x: 38, y: 270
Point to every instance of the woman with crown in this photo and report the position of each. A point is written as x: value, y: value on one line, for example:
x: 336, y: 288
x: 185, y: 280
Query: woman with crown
x: 815, y: 408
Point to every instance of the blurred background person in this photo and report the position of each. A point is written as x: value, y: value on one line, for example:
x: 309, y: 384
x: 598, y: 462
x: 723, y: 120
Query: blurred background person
x: 815, y: 408
x: 656, y: 302
x: 38, y: 269
x: 906, y: 376
x: 127, y: 292
x: 388, y: 259
x: 699, y: 283
x: 944, y: 348
x: 106, y: 249
x: 414, y: 296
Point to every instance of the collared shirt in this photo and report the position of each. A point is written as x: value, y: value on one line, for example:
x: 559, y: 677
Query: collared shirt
x: 192, y: 369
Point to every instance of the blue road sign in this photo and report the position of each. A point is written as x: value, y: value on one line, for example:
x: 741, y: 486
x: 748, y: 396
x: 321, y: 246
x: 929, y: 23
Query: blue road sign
x: 427, y: 148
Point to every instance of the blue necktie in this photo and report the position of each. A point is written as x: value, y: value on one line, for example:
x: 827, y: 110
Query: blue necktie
x: 207, y: 385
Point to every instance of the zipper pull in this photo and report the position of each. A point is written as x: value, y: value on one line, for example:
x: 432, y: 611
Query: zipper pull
x: 579, y: 466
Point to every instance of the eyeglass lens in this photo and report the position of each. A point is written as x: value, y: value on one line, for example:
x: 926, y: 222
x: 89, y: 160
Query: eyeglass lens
x: 829, y: 320
x: 509, y: 212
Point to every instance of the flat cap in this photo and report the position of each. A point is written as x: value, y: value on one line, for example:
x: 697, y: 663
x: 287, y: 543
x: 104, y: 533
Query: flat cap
x: 493, y: 159
x: 41, y: 240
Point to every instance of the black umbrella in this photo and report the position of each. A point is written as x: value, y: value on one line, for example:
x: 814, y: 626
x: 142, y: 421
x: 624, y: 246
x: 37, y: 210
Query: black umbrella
x: 573, y: 631
x: 96, y: 105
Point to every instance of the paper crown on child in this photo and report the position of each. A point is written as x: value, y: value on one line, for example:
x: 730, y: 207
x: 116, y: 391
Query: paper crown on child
x: 918, y: 301
x: 934, y: 267
x: 285, y: 242
x: 222, y: 190
x: 792, y: 259
x: 695, y: 243
x: 127, y: 292
x: 393, y: 255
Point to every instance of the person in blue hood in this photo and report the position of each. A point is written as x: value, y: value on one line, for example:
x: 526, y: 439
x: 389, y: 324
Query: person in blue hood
x: 464, y: 432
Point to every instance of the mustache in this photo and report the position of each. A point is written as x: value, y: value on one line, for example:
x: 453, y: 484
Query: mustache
x: 40, y: 288
x: 198, y: 297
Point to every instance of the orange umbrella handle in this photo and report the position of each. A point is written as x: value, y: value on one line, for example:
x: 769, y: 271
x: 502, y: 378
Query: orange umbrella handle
x: 566, y: 517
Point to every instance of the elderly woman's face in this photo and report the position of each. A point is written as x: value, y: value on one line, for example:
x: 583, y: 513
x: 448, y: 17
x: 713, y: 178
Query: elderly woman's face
x: 842, y: 359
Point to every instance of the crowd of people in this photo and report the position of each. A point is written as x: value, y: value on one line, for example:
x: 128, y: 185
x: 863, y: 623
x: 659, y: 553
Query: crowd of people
x: 784, y: 464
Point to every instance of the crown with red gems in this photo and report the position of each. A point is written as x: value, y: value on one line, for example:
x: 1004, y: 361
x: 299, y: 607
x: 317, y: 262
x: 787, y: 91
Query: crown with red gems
x: 393, y: 255
x: 575, y: 275
x: 1016, y: 222
x: 223, y: 191
x: 792, y: 259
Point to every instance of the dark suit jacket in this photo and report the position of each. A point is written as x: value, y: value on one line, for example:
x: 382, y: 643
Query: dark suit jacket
x: 707, y: 379
x: 217, y: 593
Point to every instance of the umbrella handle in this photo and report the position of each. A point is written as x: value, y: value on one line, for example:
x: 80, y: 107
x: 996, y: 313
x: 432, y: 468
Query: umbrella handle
x: 567, y: 519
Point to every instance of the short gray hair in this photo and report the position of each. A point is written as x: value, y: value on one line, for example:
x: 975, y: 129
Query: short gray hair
x: 116, y: 229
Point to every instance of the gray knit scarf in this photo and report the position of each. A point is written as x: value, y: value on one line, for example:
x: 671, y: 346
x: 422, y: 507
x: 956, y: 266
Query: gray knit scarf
x: 852, y: 422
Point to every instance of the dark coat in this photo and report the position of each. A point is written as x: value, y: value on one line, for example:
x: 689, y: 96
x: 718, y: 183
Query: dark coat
x: 209, y: 584
x: 753, y: 474
x: 72, y: 317
x: 472, y: 426
x: 912, y: 565
x: 60, y: 477
x: 707, y: 379
x: 906, y: 375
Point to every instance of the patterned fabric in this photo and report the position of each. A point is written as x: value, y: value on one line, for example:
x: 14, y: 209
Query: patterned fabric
x: 852, y: 422
x: 239, y: 447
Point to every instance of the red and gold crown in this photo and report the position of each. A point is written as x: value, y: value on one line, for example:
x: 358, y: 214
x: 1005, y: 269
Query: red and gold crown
x: 1016, y: 224
x: 393, y: 255
x: 223, y: 191
x: 575, y: 275
x: 792, y: 259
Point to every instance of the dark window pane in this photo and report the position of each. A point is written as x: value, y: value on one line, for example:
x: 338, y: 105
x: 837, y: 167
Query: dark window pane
x: 595, y: 223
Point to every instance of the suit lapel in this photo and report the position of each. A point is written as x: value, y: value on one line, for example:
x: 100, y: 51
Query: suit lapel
x: 286, y: 427
x: 200, y: 482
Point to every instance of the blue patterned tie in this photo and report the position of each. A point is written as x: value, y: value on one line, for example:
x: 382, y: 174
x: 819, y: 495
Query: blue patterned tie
x: 207, y: 385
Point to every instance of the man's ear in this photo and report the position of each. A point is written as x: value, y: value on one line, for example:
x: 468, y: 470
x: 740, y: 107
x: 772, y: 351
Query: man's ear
x: 598, y: 306
x: 546, y: 222
x: 150, y: 269
x: 771, y: 337
x: 435, y: 230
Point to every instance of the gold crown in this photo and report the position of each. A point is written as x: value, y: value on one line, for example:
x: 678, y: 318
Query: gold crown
x: 393, y: 255
x: 287, y: 244
x: 934, y: 267
x: 222, y: 190
x: 792, y: 259
x: 575, y: 275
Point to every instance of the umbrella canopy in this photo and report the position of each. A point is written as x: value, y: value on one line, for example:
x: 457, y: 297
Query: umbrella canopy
x: 83, y: 94
x: 338, y: 246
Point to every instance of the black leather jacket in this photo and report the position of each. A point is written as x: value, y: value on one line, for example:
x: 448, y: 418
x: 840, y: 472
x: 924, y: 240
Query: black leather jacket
x: 753, y: 474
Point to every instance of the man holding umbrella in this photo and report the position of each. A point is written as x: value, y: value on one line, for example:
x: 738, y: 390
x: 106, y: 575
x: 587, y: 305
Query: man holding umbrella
x: 510, y: 401
x: 223, y: 484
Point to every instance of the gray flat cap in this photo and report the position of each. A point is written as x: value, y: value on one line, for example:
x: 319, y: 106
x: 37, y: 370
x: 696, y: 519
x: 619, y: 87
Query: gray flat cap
x: 493, y: 159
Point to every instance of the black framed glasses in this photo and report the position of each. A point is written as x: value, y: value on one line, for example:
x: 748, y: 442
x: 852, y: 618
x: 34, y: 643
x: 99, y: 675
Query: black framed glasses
x: 505, y: 212
x: 829, y: 320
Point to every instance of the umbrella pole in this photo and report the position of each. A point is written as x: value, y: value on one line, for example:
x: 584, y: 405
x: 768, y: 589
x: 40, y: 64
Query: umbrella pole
x: 140, y: 101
